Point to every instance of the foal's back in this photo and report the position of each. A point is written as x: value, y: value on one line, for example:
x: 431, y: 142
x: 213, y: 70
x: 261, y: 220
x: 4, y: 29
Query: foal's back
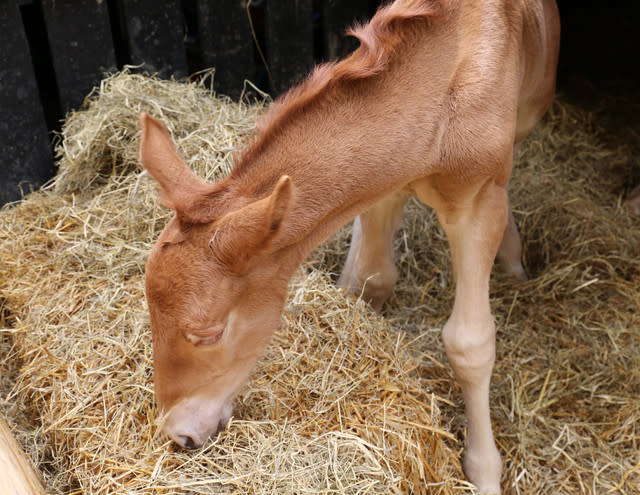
x: 473, y: 75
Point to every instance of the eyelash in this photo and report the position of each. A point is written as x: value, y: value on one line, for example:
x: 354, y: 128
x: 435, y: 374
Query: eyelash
x: 205, y: 340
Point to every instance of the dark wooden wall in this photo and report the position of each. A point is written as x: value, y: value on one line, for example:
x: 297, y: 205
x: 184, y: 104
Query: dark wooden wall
x: 53, y: 52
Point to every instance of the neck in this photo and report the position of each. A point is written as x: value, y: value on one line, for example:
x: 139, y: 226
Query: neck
x: 338, y: 169
x: 349, y: 144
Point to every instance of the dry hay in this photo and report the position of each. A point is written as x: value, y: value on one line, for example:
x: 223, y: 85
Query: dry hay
x: 335, y: 406
x: 344, y: 401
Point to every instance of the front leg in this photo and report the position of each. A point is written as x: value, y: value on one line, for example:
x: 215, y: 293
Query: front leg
x: 370, y: 268
x: 474, y: 232
x: 510, y: 251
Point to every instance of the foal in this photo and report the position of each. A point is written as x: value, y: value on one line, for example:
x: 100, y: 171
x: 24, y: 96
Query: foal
x: 431, y: 103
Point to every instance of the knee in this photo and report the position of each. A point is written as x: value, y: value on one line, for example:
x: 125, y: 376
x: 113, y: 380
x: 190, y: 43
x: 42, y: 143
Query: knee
x: 371, y: 275
x: 377, y: 288
x: 470, y: 348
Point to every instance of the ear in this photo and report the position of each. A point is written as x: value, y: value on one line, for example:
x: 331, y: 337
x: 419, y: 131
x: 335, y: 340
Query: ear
x: 180, y: 189
x: 279, y: 201
x: 244, y: 233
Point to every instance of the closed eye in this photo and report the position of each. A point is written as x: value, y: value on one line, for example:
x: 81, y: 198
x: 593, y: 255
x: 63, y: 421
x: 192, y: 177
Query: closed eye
x: 208, y: 336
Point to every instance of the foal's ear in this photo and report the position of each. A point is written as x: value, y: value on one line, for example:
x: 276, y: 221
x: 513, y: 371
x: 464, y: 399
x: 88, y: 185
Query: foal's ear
x: 279, y: 201
x: 180, y: 189
x: 244, y: 233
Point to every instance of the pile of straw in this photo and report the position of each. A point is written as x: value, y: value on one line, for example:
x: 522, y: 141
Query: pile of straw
x: 344, y: 400
x: 335, y: 405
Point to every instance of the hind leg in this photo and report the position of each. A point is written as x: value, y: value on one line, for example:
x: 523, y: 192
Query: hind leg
x: 370, y: 268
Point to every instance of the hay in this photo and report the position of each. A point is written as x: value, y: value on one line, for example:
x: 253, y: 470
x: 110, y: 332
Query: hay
x: 335, y: 406
x: 344, y: 401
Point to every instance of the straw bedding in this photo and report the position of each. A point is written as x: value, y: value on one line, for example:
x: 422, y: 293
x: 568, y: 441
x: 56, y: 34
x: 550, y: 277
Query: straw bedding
x: 344, y: 400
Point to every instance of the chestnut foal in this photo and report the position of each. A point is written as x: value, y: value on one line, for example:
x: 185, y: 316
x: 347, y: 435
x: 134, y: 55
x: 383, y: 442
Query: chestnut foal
x: 431, y: 103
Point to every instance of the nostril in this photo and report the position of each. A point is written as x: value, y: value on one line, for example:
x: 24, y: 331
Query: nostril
x: 187, y: 442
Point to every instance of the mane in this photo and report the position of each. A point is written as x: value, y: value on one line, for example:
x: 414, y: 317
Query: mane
x: 379, y: 41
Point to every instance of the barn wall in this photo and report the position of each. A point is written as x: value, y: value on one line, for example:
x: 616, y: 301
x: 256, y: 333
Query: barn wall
x: 55, y: 51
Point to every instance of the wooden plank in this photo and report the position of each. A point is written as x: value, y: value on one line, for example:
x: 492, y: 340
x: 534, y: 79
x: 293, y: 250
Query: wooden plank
x: 338, y: 16
x: 81, y: 46
x: 226, y: 43
x: 26, y: 152
x: 16, y: 474
x: 289, y: 39
x: 155, y: 36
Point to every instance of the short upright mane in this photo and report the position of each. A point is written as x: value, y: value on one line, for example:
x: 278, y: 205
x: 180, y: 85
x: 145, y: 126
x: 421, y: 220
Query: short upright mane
x: 379, y: 40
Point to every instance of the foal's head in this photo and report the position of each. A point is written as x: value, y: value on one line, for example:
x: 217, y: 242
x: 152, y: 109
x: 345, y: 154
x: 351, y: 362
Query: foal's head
x: 215, y: 288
